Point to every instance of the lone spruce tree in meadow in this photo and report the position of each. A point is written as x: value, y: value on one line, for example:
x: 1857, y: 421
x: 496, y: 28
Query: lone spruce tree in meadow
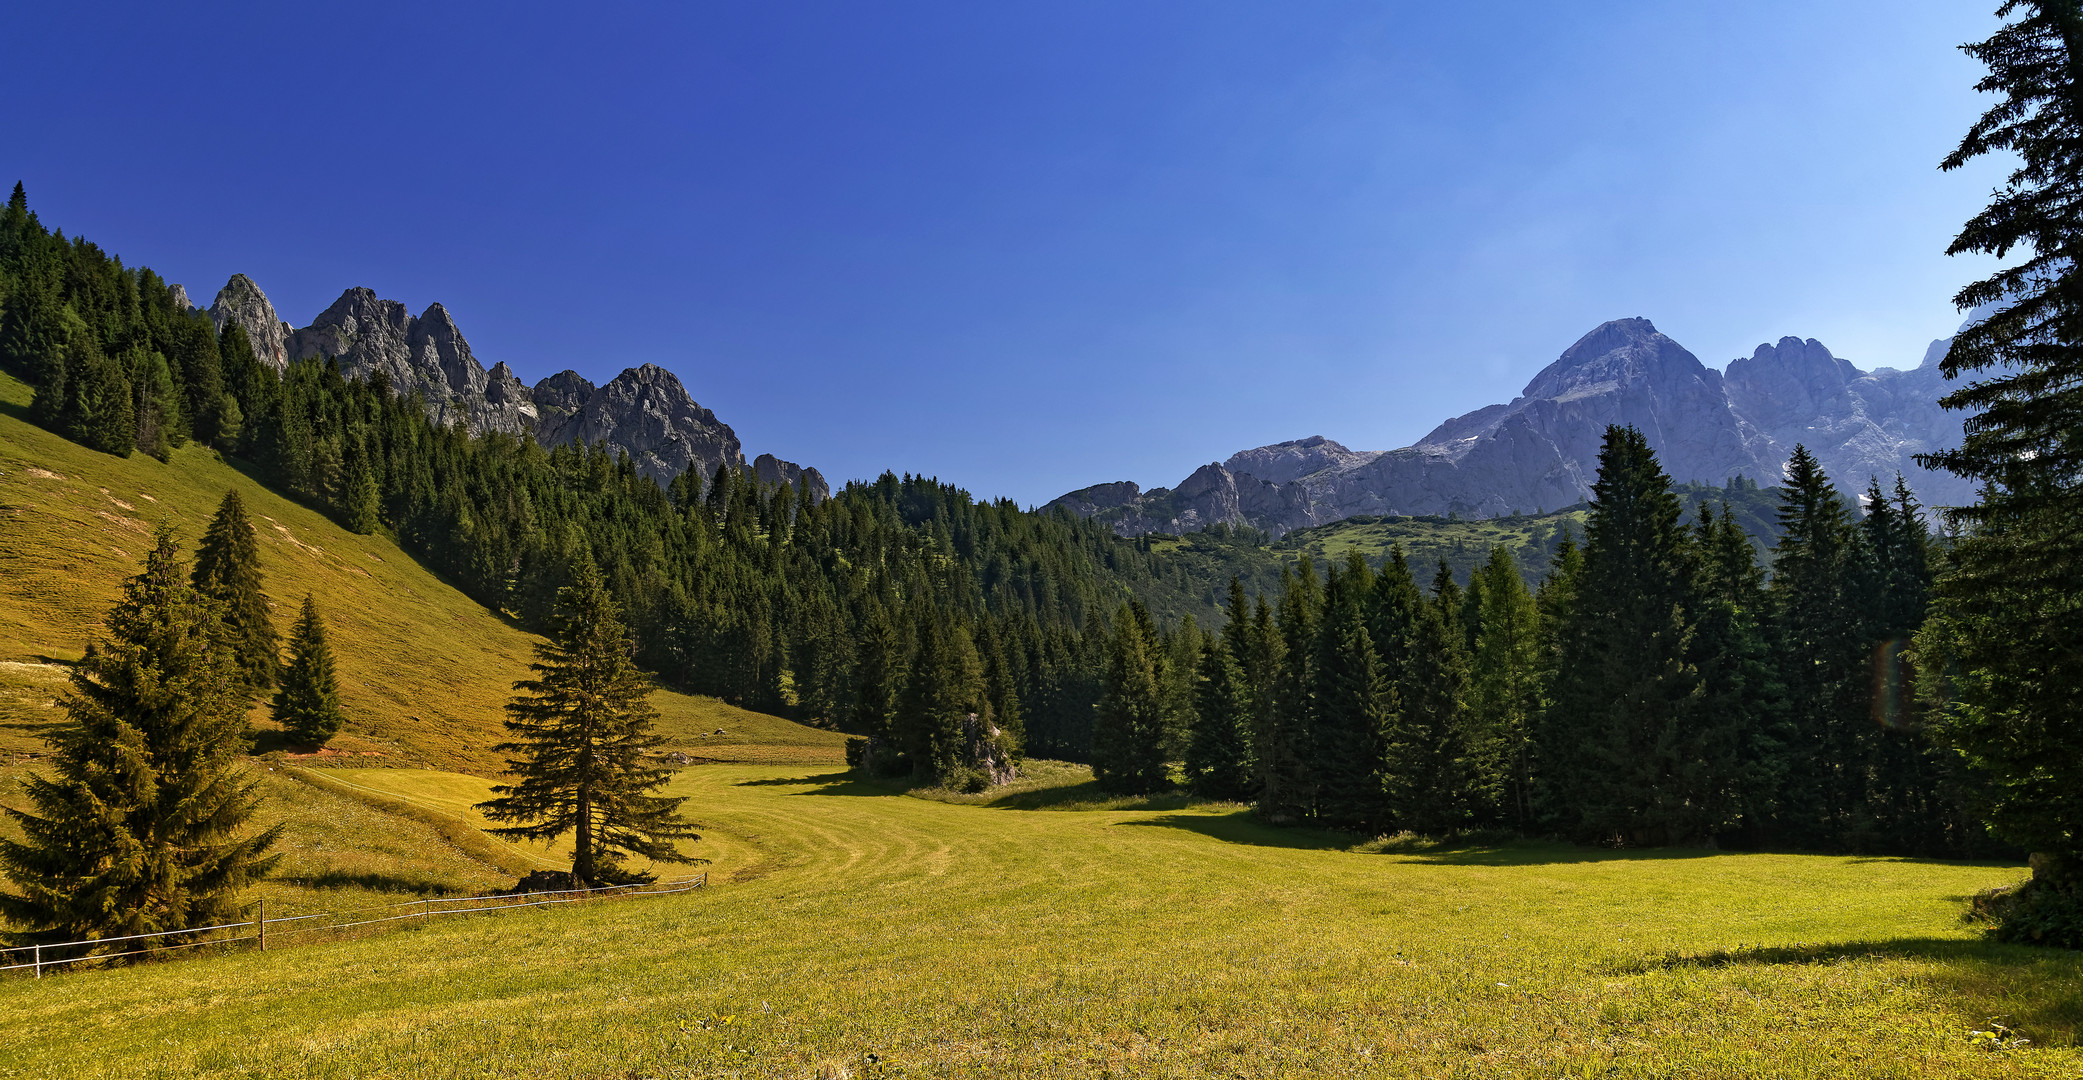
x: 2007, y: 614
x: 140, y: 823
x: 307, y: 703
x: 227, y: 573
x: 583, y: 736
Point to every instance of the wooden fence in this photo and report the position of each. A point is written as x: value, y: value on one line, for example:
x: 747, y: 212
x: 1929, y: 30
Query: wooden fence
x: 260, y: 927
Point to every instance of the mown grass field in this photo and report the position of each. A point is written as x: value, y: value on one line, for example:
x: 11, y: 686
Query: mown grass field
x: 855, y: 931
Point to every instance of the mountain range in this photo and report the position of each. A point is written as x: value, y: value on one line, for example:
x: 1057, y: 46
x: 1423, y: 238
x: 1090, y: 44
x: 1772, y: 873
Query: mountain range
x: 644, y: 412
x: 1540, y: 450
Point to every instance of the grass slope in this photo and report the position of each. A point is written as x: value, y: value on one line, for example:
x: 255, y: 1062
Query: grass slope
x: 423, y: 669
x: 853, y: 931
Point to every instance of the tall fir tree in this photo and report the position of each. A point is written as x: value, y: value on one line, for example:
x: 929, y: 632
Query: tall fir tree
x: 141, y: 824
x: 1220, y: 758
x: 1429, y: 759
x: 1287, y: 791
x: 1819, y: 640
x: 1619, y: 740
x: 1741, y: 696
x: 307, y: 701
x: 584, y: 739
x: 2007, y: 616
x: 878, y: 681
x: 1219, y: 762
x: 227, y: 572
x: 1129, y: 725
x: 1352, y: 708
x: 1504, y: 694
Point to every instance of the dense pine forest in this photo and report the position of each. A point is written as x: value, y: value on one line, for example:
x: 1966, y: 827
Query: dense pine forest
x: 1655, y: 688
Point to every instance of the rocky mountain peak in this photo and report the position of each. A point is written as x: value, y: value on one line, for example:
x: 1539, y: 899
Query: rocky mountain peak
x: 1615, y: 355
x: 645, y: 412
x: 241, y: 301
x: 1297, y: 458
x: 772, y: 470
x: 179, y: 296
x: 1540, y: 450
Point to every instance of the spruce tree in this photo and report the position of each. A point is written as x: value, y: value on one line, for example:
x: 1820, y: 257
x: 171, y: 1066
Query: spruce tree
x: 307, y: 703
x: 1353, y: 706
x: 584, y: 740
x: 1129, y: 723
x: 227, y: 572
x: 1618, y: 742
x: 2007, y: 617
x: 943, y: 686
x: 1742, y: 701
x: 1504, y: 693
x: 140, y: 825
x: 1821, y: 646
x: 1219, y: 762
x: 1287, y: 791
x: 1429, y: 756
x: 878, y: 680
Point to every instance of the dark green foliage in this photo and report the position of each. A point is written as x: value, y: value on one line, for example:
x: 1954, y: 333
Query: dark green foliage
x: 1740, y: 681
x: 227, y: 573
x: 140, y: 826
x: 1130, y: 723
x: 943, y: 687
x: 307, y: 704
x: 1429, y: 753
x: 1504, y: 695
x: 1287, y: 790
x: 1819, y: 636
x: 1623, y: 741
x: 2006, y: 627
x: 583, y: 733
x: 1219, y: 761
x: 1354, y: 706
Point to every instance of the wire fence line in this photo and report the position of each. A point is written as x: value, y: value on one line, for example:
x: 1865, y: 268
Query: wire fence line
x: 51, y: 954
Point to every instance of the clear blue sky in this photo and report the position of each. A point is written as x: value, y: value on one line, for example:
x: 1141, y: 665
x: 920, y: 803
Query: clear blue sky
x: 1031, y: 246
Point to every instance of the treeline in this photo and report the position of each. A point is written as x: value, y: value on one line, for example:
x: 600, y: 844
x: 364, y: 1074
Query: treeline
x: 1654, y: 688
x: 746, y: 591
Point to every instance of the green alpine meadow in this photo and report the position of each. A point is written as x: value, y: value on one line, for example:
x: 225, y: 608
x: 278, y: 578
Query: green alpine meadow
x: 368, y: 711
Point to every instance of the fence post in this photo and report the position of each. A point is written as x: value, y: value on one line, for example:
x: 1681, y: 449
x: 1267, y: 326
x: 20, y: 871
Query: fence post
x: 39, y: 961
x: 263, y: 924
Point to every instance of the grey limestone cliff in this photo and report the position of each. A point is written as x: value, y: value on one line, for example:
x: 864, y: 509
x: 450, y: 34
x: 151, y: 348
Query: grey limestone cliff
x: 426, y: 355
x: 241, y: 301
x: 644, y: 412
x: 773, y: 470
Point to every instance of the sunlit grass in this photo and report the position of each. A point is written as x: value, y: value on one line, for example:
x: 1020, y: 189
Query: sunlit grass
x: 849, y: 920
x: 424, y: 670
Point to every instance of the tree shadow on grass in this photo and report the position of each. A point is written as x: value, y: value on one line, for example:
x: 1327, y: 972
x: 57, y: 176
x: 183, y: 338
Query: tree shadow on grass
x: 1242, y: 827
x: 2036, y: 991
x: 374, y: 882
x: 834, y: 783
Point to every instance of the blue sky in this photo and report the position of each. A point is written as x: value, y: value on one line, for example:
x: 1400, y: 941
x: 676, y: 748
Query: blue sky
x: 1029, y: 247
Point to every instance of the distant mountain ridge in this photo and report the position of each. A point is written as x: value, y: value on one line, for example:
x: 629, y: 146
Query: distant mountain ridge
x: 644, y: 412
x: 1540, y: 450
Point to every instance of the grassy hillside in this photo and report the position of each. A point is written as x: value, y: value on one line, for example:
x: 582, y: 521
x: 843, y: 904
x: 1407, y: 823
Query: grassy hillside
x: 1464, y: 543
x: 423, y: 669
x: 857, y: 932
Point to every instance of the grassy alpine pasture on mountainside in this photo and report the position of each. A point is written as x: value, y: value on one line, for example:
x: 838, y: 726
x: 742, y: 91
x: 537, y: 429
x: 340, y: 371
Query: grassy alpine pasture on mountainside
x: 423, y: 669
x: 853, y: 931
